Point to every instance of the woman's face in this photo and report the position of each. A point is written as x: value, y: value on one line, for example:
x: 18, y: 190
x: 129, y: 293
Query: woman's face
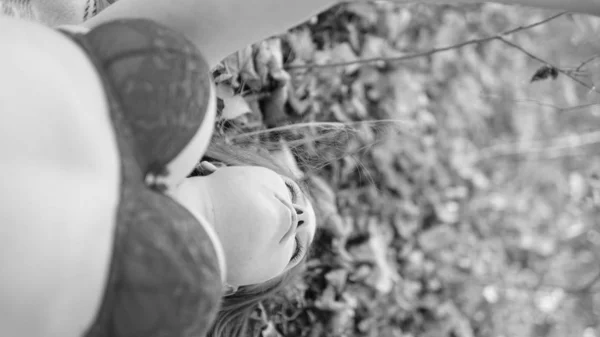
x: 263, y: 220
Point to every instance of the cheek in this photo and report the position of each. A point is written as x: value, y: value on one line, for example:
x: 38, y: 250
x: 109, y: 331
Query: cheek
x: 250, y: 218
x: 250, y: 234
x: 258, y: 266
x: 251, y: 263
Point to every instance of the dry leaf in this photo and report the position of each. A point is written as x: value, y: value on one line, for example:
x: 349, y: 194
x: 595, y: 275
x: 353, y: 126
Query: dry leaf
x: 385, y: 275
x: 459, y: 324
x: 239, y: 65
x: 327, y: 301
x: 273, y: 106
x: 365, y: 10
x: 341, y: 321
x: 375, y: 47
x: 300, y: 40
x: 270, y: 331
x: 268, y: 61
x: 437, y: 238
x: 396, y: 22
x: 343, y: 53
x: 337, y: 278
x: 233, y: 105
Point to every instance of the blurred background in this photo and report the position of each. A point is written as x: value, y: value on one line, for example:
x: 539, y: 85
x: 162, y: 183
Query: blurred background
x: 458, y: 190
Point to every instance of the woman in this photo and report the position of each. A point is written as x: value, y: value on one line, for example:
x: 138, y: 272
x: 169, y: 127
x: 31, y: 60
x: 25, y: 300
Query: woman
x: 99, y: 129
x: 188, y: 17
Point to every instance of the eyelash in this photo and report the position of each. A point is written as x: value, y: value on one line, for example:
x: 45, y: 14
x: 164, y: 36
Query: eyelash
x: 297, y: 252
x: 292, y: 188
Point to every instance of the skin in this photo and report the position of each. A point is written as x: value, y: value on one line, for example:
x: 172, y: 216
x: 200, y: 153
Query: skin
x: 214, y: 24
x: 60, y: 178
x: 64, y: 153
x: 73, y: 261
x: 254, y: 217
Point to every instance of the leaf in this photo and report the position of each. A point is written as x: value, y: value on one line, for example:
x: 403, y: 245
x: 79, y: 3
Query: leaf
x: 327, y: 301
x: 239, y: 65
x: 375, y: 46
x: 270, y: 331
x: 395, y: 23
x: 337, y: 278
x: 341, y: 321
x: 233, y: 105
x: 273, y: 106
x: 300, y: 40
x: 385, y: 275
x: 544, y: 73
x: 437, y: 238
x: 457, y: 322
x: 343, y: 53
x: 269, y: 61
x: 365, y: 10
x: 247, y: 70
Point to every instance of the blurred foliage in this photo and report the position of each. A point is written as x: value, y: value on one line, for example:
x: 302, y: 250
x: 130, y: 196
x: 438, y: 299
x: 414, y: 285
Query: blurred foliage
x: 472, y: 208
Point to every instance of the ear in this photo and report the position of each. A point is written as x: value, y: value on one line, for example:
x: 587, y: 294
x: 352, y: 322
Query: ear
x: 205, y: 168
x: 228, y: 289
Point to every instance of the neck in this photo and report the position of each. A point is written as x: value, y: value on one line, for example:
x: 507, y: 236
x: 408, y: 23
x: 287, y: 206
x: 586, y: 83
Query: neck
x: 193, y: 194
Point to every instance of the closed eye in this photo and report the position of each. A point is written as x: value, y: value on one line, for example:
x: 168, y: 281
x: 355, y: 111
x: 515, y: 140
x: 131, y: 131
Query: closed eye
x: 298, y: 251
x: 294, y: 192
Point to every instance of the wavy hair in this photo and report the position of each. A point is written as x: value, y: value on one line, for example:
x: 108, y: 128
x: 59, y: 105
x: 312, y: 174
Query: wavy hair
x: 234, y: 315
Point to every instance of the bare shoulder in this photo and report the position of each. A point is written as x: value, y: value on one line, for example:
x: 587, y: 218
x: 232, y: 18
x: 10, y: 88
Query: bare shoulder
x: 59, y: 174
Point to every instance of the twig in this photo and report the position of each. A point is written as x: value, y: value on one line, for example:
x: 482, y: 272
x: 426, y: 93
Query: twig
x: 537, y: 147
x: 428, y: 52
x: 584, y: 63
x: 564, y: 72
x: 543, y: 104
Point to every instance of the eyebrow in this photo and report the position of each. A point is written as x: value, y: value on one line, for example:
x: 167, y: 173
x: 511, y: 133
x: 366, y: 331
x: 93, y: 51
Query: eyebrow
x: 304, y: 255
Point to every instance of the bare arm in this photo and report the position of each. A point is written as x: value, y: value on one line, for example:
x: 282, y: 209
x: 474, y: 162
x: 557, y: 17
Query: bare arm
x: 218, y: 27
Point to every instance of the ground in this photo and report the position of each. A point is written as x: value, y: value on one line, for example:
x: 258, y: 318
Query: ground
x: 457, y: 190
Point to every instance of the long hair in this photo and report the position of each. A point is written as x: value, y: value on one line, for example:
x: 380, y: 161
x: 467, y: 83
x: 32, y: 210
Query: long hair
x: 234, y: 315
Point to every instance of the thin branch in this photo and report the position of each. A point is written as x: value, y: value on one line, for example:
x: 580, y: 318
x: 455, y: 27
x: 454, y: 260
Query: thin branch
x: 543, y: 104
x: 540, y: 147
x: 564, y: 72
x: 584, y: 63
x: 428, y: 52
x: 569, y: 109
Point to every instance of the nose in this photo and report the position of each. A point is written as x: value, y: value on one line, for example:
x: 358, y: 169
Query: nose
x: 300, y: 212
